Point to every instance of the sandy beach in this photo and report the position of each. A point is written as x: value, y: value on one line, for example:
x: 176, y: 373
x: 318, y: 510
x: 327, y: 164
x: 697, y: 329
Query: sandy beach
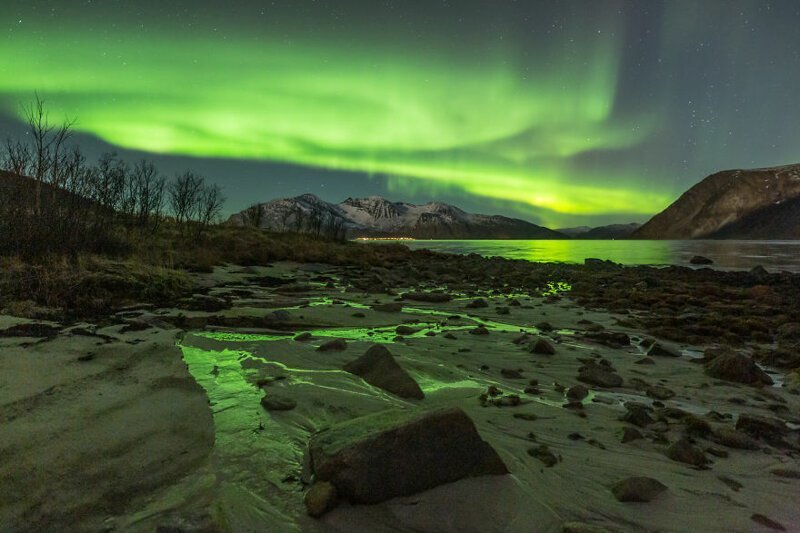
x: 155, y: 419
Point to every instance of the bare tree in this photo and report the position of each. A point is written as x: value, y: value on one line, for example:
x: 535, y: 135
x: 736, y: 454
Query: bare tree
x: 315, y: 220
x: 183, y: 196
x: 284, y: 215
x: 253, y: 216
x: 209, y: 206
x: 17, y: 157
x: 148, y: 192
x: 110, y: 190
x: 299, y: 219
x: 48, y: 147
x: 334, y: 229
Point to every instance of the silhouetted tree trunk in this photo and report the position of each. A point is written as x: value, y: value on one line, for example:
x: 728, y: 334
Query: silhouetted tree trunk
x: 253, y: 216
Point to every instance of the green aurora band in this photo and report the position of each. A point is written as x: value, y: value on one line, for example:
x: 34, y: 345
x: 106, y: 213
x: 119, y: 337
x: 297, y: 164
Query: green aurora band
x: 497, y: 128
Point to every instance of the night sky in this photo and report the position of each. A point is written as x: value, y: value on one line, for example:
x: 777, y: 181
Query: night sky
x: 562, y: 113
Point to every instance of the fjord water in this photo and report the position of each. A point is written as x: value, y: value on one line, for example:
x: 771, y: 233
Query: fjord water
x: 775, y: 256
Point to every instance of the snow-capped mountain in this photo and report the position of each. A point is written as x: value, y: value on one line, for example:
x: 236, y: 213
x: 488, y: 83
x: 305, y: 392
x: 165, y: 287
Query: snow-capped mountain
x: 376, y: 216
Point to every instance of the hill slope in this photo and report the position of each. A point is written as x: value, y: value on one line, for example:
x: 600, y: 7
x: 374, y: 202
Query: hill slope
x: 611, y: 231
x: 378, y: 217
x: 728, y: 203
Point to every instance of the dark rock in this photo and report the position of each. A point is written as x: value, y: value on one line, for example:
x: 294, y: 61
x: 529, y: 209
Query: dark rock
x: 204, y: 302
x: 522, y: 339
x: 761, y: 427
x: 431, y: 297
x: 577, y: 392
x: 645, y: 361
x: 661, y: 350
x: 696, y: 426
x: 281, y: 315
x: 335, y: 344
x: 684, y: 452
x: 391, y: 307
x: 388, y: 454
x: 734, y: 439
x: 700, y: 260
x: 544, y: 326
x: 785, y: 472
x: 612, y: 339
x: 477, y: 304
x: 31, y: 329
x: 543, y: 453
x: 731, y: 483
x: 637, y: 489
x: 449, y: 336
x: 276, y: 402
x: 660, y: 393
x: 378, y: 368
x: 767, y: 522
x: 630, y: 434
x: 542, y: 347
x: 405, y: 330
x: 503, y: 311
x: 638, y: 416
x: 320, y: 498
x: 510, y: 400
x: 594, y: 375
x: 732, y: 366
x: 480, y: 330
x: 302, y: 337
x: 716, y: 452
x: 510, y: 373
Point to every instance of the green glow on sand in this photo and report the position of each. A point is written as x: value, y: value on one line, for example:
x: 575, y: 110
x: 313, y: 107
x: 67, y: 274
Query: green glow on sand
x: 493, y: 128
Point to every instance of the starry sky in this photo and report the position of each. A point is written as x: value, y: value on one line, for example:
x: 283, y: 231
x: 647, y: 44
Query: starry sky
x: 561, y: 113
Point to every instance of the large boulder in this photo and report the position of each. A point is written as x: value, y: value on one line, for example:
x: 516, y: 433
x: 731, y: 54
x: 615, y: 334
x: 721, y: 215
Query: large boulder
x: 596, y: 375
x: 684, y: 452
x: 378, y: 368
x: 769, y: 429
x: 732, y: 366
x: 393, y: 453
x: 637, y: 489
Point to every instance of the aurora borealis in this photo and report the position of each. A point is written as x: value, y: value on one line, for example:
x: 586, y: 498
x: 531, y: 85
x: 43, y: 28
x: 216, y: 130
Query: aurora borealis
x: 558, y: 112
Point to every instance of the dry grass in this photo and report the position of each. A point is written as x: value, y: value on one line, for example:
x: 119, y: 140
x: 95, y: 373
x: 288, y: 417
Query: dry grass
x: 155, y: 269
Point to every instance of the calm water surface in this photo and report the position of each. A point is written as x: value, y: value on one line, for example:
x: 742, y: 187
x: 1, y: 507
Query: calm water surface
x: 729, y: 255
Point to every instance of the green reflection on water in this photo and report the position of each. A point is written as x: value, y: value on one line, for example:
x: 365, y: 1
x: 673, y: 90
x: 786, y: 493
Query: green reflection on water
x: 562, y: 251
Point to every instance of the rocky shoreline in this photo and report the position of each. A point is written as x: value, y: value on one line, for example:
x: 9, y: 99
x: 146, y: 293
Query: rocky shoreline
x: 618, y: 398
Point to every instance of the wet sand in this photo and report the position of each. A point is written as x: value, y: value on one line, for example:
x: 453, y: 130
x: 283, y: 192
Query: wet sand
x: 136, y: 421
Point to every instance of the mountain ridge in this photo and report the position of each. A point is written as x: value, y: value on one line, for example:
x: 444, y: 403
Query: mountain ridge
x: 727, y: 199
x: 375, y: 216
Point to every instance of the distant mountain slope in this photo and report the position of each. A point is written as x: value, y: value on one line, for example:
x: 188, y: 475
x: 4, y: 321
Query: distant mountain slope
x: 612, y: 231
x: 781, y: 221
x: 574, y: 232
x: 378, y: 217
x: 732, y: 204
